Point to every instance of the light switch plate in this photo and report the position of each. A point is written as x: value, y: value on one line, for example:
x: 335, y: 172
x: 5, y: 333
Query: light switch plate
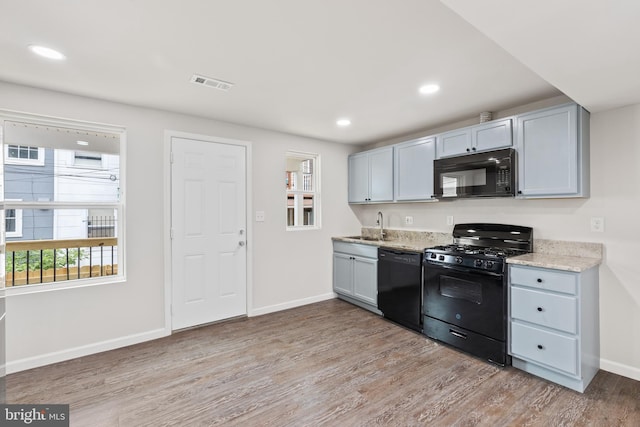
x: 259, y: 216
x: 408, y: 220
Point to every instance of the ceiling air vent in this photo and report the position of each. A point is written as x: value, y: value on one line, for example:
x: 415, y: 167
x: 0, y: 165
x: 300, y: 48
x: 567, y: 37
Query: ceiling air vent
x: 210, y: 82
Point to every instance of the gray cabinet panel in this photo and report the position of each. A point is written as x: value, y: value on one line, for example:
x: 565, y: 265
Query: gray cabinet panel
x: 358, y: 178
x: 554, y: 324
x: 454, y: 143
x: 365, y: 280
x: 371, y: 176
x: 545, y: 309
x: 381, y: 164
x: 355, y: 274
x: 492, y: 135
x: 483, y: 137
x: 413, y: 172
x: 553, y: 152
x: 342, y: 275
x: 540, y: 278
x: 552, y: 349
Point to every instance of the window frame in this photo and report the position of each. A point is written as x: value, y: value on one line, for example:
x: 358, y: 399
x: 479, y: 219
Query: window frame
x: 316, y: 192
x: 18, y: 161
x: 18, y: 221
x: 119, y: 206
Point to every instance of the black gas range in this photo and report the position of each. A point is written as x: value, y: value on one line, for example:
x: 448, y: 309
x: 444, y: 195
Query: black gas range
x: 465, y: 288
x: 490, y: 259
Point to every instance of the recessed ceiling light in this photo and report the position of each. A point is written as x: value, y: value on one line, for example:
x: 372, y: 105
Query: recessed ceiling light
x: 46, y: 52
x: 82, y: 142
x: 429, y: 89
x: 343, y: 122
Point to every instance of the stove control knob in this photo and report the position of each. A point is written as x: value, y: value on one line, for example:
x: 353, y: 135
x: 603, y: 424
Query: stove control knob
x: 459, y: 259
x: 489, y: 264
x: 433, y: 255
x: 441, y: 257
x: 478, y: 263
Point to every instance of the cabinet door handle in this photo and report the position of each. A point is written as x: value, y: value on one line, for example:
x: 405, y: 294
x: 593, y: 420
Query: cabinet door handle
x: 539, y: 280
x: 474, y: 148
x: 468, y: 150
x: 540, y: 347
x: 540, y: 309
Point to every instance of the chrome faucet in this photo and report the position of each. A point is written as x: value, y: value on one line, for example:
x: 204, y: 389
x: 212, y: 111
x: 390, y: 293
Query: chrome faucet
x: 379, y: 222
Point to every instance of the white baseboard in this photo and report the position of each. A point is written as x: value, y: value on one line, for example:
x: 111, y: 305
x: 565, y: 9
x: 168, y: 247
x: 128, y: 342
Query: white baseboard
x: 290, y: 304
x: 85, y: 350
x: 620, y: 369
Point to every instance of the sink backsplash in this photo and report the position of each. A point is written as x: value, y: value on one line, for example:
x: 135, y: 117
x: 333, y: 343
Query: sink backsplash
x: 418, y: 238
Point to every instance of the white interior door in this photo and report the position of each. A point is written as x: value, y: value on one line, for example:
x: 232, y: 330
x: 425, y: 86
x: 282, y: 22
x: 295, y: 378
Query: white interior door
x: 208, y: 248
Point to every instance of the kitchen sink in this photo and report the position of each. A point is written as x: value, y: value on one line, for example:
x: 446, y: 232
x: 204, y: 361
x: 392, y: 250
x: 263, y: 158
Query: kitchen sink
x: 370, y: 239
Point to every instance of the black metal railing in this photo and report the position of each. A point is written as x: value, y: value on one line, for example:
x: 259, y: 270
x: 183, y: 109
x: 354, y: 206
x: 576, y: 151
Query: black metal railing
x: 44, y: 261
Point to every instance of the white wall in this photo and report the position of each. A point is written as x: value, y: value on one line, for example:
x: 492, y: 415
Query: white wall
x: 615, y: 196
x: 289, y: 268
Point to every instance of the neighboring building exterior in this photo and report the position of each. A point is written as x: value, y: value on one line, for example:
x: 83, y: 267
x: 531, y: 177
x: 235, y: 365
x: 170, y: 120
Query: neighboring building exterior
x: 44, y: 174
x: 28, y: 176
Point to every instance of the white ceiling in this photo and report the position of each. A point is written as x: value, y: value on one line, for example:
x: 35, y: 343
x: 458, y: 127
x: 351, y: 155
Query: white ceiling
x: 298, y: 66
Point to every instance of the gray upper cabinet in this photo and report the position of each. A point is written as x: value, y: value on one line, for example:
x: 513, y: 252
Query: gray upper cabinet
x: 371, y: 176
x: 454, y: 143
x: 413, y: 172
x: 483, y: 137
x: 553, y: 152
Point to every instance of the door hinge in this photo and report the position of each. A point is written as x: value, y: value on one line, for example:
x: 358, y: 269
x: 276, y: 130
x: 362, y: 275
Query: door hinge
x: 171, y: 233
x: 171, y: 157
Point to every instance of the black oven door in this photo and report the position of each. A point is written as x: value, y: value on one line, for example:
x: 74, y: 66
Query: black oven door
x: 471, y: 299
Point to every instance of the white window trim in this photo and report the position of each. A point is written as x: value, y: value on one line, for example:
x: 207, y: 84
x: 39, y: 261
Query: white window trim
x: 18, y: 232
x: 30, y: 162
x: 120, y: 205
x: 317, y: 224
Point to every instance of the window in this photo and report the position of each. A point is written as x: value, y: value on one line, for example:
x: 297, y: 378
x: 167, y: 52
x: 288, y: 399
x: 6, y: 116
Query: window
x: 302, y: 190
x: 13, y: 222
x: 85, y: 158
x: 63, y: 216
x: 23, y: 155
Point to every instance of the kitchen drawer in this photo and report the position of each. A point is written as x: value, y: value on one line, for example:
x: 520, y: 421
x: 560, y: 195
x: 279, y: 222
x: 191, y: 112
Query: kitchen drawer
x: 544, y: 308
x: 548, y: 348
x: 356, y: 249
x: 552, y: 280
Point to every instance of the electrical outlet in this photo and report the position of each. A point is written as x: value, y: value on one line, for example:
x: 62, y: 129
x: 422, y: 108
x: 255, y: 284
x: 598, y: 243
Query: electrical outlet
x: 597, y: 224
x: 408, y: 220
x: 259, y: 216
x: 449, y: 219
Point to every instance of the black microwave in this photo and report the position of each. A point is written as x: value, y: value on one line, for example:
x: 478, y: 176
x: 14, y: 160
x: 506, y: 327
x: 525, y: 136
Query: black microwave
x: 487, y: 174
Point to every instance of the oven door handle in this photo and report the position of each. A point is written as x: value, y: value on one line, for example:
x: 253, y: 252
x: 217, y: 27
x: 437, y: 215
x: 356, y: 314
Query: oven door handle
x: 463, y: 270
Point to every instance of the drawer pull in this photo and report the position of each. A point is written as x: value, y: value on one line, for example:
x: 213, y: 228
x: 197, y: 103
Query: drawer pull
x: 540, y: 309
x: 540, y: 347
x: 539, y: 280
x: 458, y: 334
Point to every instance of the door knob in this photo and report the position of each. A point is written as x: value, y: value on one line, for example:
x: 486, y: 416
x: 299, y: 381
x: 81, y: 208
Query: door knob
x: 241, y: 243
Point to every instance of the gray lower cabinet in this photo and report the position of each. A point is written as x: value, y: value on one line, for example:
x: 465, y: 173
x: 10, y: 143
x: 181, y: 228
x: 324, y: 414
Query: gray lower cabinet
x: 553, y: 152
x: 355, y: 274
x: 554, y: 324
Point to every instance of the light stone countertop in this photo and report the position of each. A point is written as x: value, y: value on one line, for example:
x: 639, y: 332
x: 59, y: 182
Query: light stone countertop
x: 415, y: 241
x: 553, y: 254
x: 557, y: 262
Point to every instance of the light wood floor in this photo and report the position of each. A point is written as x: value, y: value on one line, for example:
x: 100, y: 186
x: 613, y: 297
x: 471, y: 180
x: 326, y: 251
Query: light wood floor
x: 324, y: 364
